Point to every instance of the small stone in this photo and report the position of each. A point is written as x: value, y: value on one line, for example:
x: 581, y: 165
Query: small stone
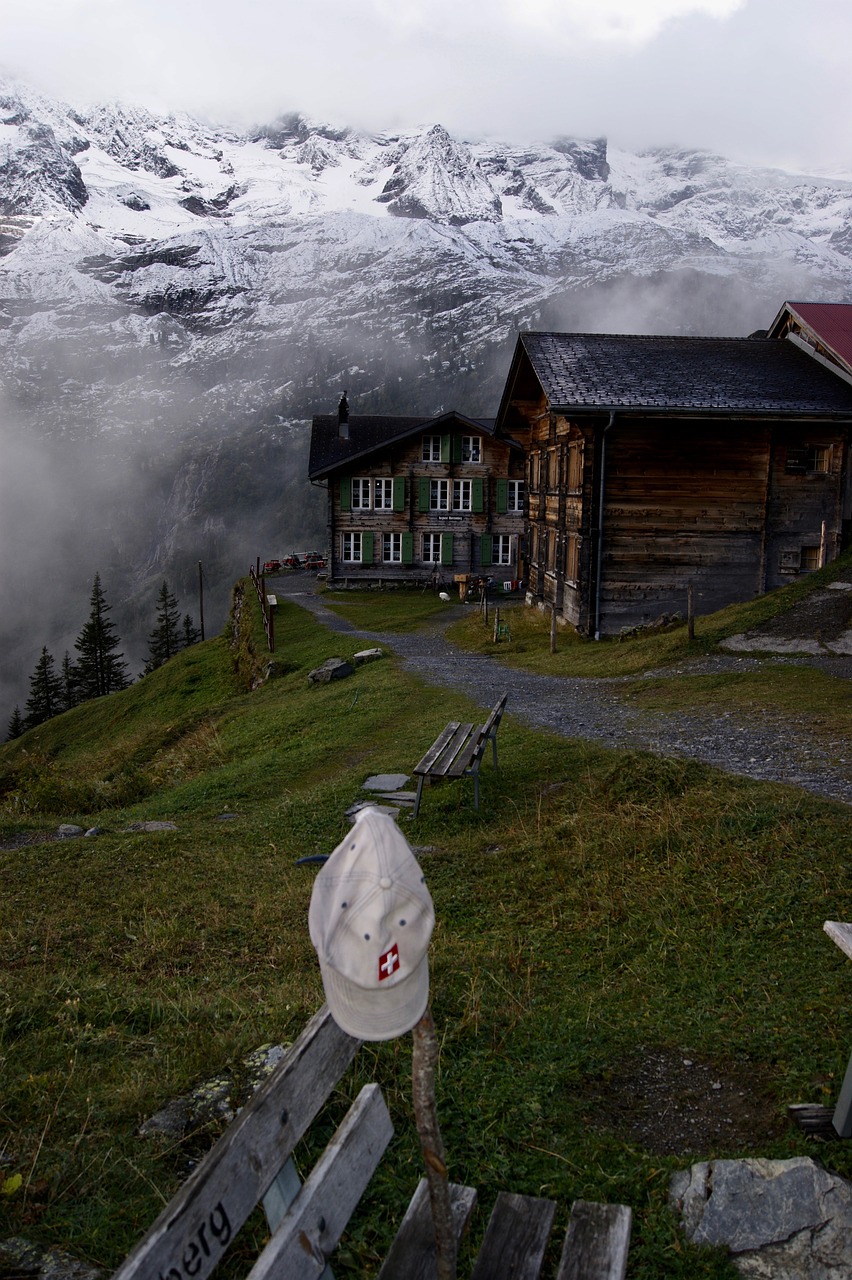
x: 67, y: 830
x: 333, y: 669
x: 93, y: 831
x: 368, y: 655
x: 152, y: 826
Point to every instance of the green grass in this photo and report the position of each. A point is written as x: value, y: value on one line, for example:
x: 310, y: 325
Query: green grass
x: 395, y: 609
x: 601, y: 904
x: 529, y: 646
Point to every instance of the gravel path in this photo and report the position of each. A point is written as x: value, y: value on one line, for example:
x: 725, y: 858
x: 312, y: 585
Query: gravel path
x: 756, y: 747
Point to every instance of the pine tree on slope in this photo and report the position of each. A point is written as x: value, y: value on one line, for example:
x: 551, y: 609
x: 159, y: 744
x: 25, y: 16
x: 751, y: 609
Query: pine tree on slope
x: 100, y: 669
x: 16, y: 725
x: 165, y: 640
x: 45, y: 700
x: 191, y: 634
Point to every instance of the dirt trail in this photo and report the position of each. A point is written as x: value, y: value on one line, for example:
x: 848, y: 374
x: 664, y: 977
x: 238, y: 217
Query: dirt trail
x: 755, y: 747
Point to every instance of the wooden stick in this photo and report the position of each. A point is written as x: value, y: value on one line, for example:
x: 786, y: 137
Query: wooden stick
x: 690, y: 612
x: 424, y: 1061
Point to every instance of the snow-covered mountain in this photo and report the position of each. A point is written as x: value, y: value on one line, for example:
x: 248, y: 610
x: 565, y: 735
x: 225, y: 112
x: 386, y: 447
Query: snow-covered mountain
x: 177, y: 299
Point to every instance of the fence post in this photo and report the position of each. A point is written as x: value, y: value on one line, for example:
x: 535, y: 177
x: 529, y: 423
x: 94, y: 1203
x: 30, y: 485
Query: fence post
x: 496, y: 624
x: 553, y: 628
x: 690, y: 612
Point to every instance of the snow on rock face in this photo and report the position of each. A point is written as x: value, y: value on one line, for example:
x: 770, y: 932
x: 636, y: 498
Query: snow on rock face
x: 439, y: 179
x: 36, y: 173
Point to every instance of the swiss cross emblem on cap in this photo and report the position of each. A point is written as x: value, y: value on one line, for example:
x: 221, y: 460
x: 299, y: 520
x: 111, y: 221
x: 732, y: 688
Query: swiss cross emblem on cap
x: 388, y: 963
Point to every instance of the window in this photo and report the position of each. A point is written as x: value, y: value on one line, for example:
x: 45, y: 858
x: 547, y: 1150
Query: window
x: 431, y: 449
x: 392, y: 548
x: 360, y: 495
x: 439, y: 495
x: 352, y: 548
x: 575, y: 465
x: 502, y: 551
x: 572, y: 558
x: 810, y: 559
x: 809, y: 457
x: 471, y: 449
x: 515, y: 497
x: 383, y: 494
x: 431, y: 548
x: 462, y: 495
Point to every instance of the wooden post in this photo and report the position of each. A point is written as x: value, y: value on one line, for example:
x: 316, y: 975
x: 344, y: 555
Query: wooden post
x: 690, y: 611
x: 424, y: 1061
x: 553, y: 628
x: 496, y: 624
x: 201, y: 599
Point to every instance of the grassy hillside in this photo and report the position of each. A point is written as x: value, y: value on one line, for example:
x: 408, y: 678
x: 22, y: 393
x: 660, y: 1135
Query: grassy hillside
x: 605, y: 912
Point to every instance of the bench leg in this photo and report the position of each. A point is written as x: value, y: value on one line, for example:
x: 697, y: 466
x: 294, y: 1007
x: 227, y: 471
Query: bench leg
x: 419, y: 794
x: 494, y: 746
x: 842, y: 1119
x: 476, y: 790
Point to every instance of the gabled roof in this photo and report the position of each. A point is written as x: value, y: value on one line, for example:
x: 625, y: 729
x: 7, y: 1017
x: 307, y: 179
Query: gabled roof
x: 371, y: 432
x: 826, y: 324
x: 663, y: 375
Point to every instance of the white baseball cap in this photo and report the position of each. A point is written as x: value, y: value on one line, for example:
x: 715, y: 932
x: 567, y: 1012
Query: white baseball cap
x: 370, y: 919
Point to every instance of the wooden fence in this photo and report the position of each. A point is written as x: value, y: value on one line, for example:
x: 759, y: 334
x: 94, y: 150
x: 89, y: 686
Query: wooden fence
x: 267, y: 604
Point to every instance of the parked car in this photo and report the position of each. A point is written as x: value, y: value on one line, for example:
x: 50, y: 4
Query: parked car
x: 271, y: 566
x: 292, y: 562
x: 314, y: 560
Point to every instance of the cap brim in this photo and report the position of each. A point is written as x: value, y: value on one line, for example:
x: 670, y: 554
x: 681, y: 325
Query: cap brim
x: 377, y: 1014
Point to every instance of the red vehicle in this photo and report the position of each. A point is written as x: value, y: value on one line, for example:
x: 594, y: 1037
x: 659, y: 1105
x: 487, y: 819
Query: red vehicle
x: 292, y: 562
x: 314, y: 560
x: 272, y: 566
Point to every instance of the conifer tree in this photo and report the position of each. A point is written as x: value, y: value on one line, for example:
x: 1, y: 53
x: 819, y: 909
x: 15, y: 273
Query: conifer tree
x: 165, y: 640
x: 16, y: 725
x: 70, y: 683
x: 191, y: 634
x: 45, y: 698
x: 100, y: 668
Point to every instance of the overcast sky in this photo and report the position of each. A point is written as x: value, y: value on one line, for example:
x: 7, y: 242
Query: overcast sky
x: 759, y: 80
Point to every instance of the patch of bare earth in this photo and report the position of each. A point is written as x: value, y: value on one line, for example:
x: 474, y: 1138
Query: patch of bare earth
x: 671, y: 1103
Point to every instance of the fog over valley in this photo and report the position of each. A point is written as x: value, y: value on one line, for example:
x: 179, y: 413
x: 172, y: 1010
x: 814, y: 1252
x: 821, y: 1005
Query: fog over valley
x: 177, y: 300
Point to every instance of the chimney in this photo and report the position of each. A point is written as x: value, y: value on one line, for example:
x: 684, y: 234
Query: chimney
x: 343, y: 418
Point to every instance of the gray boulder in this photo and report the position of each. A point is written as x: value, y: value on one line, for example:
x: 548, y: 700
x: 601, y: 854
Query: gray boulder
x: 333, y: 669
x: 780, y: 1219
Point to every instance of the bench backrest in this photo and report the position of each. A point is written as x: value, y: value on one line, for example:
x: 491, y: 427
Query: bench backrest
x: 191, y: 1234
x: 492, y: 724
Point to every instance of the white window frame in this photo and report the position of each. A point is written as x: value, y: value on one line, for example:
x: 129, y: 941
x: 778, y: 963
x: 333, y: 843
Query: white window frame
x: 503, y: 550
x: 515, y: 497
x: 439, y: 495
x: 431, y: 449
x: 350, y: 548
x: 433, y: 540
x: 383, y: 494
x: 362, y: 488
x: 471, y: 449
x: 462, y: 495
x: 392, y: 548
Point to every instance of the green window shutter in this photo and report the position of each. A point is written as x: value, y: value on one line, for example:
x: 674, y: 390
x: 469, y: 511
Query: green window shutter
x: 476, y: 495
x: 502, y: 496
x: 407, y: 548
x: 346, y: 494
x: 446, y: 548
x: 366, y: 548
x: 456, y: 448
x: 485, y: 549
x: 445, y: 448
x: 398, y: 493
x: 423, y: 499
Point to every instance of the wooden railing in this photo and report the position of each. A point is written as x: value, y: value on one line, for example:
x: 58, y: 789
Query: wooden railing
x: 267, y: 607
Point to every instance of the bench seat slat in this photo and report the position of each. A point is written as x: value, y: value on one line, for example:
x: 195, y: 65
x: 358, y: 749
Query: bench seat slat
x: 597, y: 1242
x: 470, y: 754
x: 445, y: 759
x: 227, y: 1184
x: 439, y: 745
x: 317, y: 1218
x: 412, y: 1254
x: 516, y: 1238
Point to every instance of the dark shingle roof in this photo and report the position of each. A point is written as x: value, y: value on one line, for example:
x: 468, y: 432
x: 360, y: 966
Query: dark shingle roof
x: 370, y: 432
x: 653, y: 374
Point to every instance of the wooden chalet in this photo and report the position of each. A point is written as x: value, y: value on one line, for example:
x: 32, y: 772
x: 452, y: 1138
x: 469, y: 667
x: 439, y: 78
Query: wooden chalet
x: 419, y: 499
x: 660, y: 463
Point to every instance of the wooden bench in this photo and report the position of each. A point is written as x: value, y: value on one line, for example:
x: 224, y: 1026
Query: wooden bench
x: 252, y: 1163
x: 457, y: 752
